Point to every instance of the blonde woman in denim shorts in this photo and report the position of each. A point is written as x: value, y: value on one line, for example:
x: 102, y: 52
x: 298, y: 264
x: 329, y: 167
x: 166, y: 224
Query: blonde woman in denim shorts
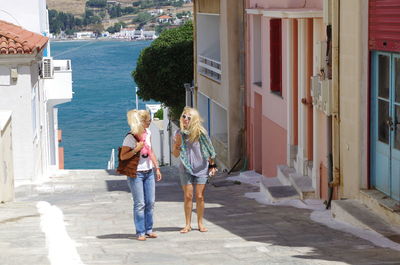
x: 197, y: 155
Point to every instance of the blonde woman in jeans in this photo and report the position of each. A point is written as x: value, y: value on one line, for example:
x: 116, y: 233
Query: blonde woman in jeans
x: 197, y: 155
x: 143, y: 185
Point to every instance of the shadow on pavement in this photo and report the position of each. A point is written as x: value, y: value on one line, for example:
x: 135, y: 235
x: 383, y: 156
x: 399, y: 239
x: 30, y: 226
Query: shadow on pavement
x: 279, y: 225
x: 117, y: 236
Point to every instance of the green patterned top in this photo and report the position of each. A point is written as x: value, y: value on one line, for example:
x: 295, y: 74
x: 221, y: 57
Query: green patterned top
x: 207, y: 150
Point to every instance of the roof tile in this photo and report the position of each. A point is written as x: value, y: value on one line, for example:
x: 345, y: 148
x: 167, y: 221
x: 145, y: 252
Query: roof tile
x: 17, y: 40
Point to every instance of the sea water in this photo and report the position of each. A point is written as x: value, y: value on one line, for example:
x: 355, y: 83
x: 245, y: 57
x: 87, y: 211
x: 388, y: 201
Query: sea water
x: 94, y: 122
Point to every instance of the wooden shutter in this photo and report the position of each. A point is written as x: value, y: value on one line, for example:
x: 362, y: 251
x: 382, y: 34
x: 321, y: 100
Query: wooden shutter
x: 276, y: 55
x: 384, y: 25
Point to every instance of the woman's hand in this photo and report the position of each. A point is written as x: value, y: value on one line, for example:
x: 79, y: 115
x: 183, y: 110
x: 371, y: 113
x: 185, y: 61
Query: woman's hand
x: 139, y: 146
x: 213, y: 171
x: 158, y: 174
x: 178, y: 140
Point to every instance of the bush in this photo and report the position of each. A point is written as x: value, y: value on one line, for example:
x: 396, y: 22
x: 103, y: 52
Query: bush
x: 164, y: 66
x: 159, y: 114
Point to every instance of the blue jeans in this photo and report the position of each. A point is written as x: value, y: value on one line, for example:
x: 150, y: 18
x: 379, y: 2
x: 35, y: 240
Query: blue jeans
x: 143, y: 193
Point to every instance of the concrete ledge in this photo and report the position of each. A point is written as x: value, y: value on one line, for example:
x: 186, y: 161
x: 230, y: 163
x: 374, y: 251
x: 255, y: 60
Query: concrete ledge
x: 359, y: 215
x: 383, y: 205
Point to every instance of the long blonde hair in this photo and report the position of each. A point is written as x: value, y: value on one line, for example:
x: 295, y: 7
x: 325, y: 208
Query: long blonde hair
x: 135, y: 122
x: 195, y: 128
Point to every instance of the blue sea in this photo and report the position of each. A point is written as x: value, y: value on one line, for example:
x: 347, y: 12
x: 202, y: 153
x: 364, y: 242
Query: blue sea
x: 94, y: 121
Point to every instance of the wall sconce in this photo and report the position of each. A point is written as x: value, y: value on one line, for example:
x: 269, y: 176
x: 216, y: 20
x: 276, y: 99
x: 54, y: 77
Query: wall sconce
x: 14, y: 74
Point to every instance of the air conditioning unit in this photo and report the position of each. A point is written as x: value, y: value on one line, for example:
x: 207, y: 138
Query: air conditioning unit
x: 47, y: 68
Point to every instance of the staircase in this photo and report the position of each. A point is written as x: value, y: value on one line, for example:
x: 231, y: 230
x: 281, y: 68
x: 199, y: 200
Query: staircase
x: 288, y: 184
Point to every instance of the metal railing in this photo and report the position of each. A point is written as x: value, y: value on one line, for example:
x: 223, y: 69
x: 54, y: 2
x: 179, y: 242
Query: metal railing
x: 111, y: 162
x: 209, y: 67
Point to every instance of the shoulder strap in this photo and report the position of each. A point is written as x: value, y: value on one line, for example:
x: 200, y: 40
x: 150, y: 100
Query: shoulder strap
x: 134, y: 136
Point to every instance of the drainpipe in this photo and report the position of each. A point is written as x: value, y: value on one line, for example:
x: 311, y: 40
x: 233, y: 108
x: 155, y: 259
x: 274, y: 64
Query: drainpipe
x: 334, y: 156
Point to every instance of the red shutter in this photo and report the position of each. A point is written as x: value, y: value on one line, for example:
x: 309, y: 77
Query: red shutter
x: 384, y: 25
x: 276, y: 55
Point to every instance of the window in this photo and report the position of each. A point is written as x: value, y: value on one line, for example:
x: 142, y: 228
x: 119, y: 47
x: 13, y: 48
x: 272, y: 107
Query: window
x: 257, y: 51
x: 276, y: 56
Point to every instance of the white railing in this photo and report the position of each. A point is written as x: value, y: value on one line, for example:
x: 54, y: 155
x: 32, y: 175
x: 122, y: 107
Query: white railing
x: 209, y: 67
x: 62, y: 65
x: 111, y: 162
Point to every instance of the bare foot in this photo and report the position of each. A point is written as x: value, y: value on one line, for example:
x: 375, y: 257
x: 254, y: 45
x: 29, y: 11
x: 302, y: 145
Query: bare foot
x: 202, y: 228
x: 185, y: 230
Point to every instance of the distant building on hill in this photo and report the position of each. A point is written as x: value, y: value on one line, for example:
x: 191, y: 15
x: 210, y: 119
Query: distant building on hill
x: 84, y: 35
x: 164, y: 19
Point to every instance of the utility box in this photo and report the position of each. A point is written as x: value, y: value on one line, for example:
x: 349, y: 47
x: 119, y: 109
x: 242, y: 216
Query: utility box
x: 321, y: 93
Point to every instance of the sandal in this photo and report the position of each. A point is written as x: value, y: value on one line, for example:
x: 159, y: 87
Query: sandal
x: 141, y: 238
x: 152, y: 235
x: 203, y: 229
x: 186, y: 230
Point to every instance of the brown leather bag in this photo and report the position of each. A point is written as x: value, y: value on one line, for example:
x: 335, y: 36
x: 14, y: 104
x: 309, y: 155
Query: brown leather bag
x: 128, y: 167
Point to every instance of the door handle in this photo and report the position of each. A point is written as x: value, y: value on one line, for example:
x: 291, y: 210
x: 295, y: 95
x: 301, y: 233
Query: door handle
x: 390, y: 123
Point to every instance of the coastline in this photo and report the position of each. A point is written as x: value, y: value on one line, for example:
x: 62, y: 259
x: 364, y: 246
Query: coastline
x: 94, y: 39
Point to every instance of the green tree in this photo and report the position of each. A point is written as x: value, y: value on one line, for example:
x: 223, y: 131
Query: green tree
x: 142, y: 17
x: 96, y: 3
x: 164, y: 66
x: 159, y: 114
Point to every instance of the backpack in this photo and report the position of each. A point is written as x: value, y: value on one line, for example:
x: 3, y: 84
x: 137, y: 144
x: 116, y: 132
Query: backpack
x: 128, y: 167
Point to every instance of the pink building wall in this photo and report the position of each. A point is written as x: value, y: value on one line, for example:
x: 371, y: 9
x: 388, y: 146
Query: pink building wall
x: 274, y: 108
x: 273, y: 140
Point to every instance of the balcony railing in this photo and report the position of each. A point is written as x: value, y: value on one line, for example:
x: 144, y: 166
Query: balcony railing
x: 209, y: 67
x: 62, y: 65
x: 58, y: 89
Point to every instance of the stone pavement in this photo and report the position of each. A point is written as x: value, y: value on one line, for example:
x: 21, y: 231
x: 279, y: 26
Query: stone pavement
x: 97, y: 210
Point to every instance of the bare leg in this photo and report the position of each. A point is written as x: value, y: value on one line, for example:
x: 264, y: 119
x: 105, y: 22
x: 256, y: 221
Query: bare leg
x: 188, y: 205
x: 200, y: 188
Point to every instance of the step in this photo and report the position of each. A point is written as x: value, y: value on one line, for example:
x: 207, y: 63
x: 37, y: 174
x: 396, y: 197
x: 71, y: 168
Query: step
x: 381, y: 204
x: 303, y: 184
x: 275, y: 191
x: 283, y: 174
x: 359, y: 215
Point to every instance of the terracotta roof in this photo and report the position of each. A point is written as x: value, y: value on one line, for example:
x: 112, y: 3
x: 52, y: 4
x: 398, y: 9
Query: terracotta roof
x: 17, y: 40
x: 164, y: 16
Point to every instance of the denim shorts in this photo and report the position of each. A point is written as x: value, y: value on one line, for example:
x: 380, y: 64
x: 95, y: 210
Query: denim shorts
x: 187, y: 179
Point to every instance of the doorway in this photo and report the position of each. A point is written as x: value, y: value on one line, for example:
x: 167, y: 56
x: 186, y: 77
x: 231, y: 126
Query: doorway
x: 385, y: 123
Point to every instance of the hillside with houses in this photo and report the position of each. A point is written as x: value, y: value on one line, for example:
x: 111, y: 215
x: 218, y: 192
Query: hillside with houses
x: 122, y: 19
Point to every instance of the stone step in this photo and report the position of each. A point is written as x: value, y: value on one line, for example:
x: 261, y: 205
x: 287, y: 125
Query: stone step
x: 302, y: 184
x: 359, y: 215
x: 283, y: 174
x: 275, y: 193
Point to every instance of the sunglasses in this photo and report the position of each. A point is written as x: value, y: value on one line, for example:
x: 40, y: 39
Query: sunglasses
x: 184, y: 116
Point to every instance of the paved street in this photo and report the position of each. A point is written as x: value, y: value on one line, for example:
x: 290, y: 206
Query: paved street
x: 97, y: 210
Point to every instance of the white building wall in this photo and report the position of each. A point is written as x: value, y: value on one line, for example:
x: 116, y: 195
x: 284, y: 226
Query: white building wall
x: 17, y: 97
x: 27, y: 14
x: 6, y: 158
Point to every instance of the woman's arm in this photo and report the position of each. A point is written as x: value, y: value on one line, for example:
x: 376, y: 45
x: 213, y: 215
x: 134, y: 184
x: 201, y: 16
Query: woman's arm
x: 176, y: 147
x: 153, y: 159
x: 127, y: 152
